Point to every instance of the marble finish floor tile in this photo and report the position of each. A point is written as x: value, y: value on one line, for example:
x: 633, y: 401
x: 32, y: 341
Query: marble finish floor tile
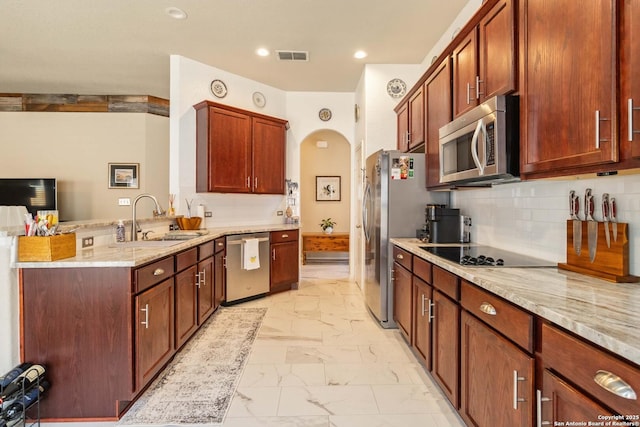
x: 321, y: 360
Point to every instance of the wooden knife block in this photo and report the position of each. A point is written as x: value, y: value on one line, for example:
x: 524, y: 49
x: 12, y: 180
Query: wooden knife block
x: 610, y: 263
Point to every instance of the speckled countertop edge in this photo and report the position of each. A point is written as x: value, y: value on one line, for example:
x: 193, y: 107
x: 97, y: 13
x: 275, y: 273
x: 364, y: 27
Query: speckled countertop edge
x: 602, y: 312
x: 110, y: 256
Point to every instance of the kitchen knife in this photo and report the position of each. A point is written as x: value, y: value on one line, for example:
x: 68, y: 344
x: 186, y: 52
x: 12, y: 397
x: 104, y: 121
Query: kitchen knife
x: 592, y: 225
x: 605, y: 217
x: 614, y: 218
x: 574, y: 208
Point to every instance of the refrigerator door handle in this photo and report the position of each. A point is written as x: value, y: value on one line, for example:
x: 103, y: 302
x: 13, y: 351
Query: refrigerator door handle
x: 366, y: 200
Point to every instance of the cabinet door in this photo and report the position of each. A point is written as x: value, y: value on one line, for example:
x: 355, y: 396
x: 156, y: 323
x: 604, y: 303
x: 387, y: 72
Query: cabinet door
x: 229, y: 155
x: 568, y: 86
x: 446, y: 346
x: 497, y: 378
x: 416, y: 118
x: 559, y: 402
x: 206, y: 290
x: 284, y: 265
x: 403, y: 128
x: 219, y: 278
x: 402, y: 301
x: 465, y: 71
x: 186, y: 305
x: 630, y: 84
x: 438, y: 114
x: 422, y: 310
x: 497, y: 51
x: 269, y: 144
x: 154, y: 331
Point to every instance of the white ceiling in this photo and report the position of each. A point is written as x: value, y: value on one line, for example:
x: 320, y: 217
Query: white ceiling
x: 123, y: 46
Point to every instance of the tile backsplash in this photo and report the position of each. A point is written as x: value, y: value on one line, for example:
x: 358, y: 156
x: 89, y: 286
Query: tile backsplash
x: 530, y: 217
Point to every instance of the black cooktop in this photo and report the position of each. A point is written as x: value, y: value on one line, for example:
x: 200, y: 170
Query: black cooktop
x: 485, y: 256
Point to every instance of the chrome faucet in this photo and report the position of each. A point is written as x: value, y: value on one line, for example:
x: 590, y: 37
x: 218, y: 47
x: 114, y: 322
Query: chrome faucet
x: 134, y: 222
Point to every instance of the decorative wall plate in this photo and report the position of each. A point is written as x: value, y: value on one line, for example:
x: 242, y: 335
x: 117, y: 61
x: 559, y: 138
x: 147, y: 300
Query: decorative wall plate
x: 218, y: 88
x: 324, y: 114
x: 396, y: 88
x: 259, y: 100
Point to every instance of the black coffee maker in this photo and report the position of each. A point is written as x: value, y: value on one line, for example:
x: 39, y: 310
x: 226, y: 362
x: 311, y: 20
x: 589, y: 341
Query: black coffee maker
x: 442, y: 224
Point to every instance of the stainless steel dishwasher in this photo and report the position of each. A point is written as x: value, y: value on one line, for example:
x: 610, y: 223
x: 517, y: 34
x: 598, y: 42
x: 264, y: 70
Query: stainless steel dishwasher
x: 246, y: 284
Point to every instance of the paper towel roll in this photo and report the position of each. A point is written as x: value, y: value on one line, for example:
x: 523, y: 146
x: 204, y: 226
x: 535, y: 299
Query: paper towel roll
x: 200, y: 211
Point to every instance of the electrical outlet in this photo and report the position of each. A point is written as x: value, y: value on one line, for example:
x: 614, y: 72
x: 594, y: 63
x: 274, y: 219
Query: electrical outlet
x: 208, y: 214
x: 87, y: 242
x: 124, y: 201
x: 173, y: 227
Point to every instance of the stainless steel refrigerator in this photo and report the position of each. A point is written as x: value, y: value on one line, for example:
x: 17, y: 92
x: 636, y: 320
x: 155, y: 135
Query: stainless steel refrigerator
x: 393, y: 205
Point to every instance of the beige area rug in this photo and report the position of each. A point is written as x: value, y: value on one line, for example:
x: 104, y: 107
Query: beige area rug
x: 197, y: 386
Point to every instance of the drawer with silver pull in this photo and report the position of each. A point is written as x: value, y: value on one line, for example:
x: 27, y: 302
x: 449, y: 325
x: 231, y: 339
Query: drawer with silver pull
x: 608, y: 379
x: 284, y: 236
x: 506, y: 318
x: 149, y: 275
x: 402, y: 257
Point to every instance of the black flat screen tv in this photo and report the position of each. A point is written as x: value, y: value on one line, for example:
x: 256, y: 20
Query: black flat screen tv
x: 37, y: 194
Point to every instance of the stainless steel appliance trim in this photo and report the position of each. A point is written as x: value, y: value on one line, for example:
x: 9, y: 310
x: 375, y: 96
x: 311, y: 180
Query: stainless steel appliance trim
x: 239, y: 242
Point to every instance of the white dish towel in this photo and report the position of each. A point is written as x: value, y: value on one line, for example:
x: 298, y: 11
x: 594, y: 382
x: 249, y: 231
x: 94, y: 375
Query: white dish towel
x: 250, y: 254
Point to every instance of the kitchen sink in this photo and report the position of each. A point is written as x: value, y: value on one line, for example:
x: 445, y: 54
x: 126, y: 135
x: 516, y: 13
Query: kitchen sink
x: 146, y: 244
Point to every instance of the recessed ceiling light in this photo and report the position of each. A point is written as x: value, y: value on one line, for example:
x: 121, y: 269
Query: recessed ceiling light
x: 175, y: 13
x: 262, y: 52
x: 360, y: 54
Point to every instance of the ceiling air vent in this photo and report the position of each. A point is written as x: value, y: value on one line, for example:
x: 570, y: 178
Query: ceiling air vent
x: 292, y: 55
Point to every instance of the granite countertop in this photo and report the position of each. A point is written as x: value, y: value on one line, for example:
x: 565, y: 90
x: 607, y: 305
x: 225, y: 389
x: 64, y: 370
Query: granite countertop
x: 123, y: 256
x: 602, y: 312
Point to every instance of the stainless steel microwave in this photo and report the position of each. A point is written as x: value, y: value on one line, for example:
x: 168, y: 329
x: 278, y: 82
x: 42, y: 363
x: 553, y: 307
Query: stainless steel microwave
x: 481, y: 146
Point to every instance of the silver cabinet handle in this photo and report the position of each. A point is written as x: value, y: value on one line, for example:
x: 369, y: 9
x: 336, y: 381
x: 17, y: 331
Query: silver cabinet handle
x: 146, y: 316
x: 284, y: 236
x: 432, y: 306
x: 399, y: 256
x: 408, y: 137
x: 198, y: 279
x: 516, y: 399
x: 630, y: 110
x: 614, y: 384
x: 248, y: 182
x: 487, y: 308
x: 255, y: 182
x: 158, y: 272
x: 478, y: 81
x: 202, y: 278
x: 273, y: 254
x: 423, y: 305
x: 468, y: 93
x: 598, y: 120
x: 224, y: 262
x: 539, y: 401
x: 220, y: 244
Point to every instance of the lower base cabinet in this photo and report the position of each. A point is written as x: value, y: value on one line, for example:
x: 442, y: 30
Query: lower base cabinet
x: 285, y: 256
x: 497, y: 378
x: 446, y: 346
x: 422, y: 316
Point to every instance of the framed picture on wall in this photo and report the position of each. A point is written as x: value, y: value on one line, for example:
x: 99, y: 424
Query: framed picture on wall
x: 327, y: 188
x: 123, y: 175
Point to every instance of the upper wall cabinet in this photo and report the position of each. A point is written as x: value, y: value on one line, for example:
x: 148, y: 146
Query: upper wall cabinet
x: 437, y: 92
x: 629, y: 83
x: 484, y: 61
x: 568, y: 85
x: 239, y: 151
x: 411, y: 122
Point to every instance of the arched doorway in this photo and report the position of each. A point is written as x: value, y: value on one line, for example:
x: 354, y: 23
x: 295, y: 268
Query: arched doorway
x: 325, y: 155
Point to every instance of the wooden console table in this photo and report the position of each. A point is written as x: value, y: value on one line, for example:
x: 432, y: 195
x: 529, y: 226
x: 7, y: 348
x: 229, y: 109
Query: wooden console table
x: 322, y: 242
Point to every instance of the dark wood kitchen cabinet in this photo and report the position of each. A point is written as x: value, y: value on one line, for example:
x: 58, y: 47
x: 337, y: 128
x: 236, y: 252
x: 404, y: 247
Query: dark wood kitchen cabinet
x: 402, y: 119
x: 497, y: 363
x: 154, y: 330
x: 186, y: 289
x: 285, y: 260
x: 629, y: 83
x: 239, y: 151
x: 205, y: 282
x: 446, y: 334
x: 219, y: 271
x: 402, y: 291
x: 568, y: 85
x: 437, y: 114
x: 484, y: 61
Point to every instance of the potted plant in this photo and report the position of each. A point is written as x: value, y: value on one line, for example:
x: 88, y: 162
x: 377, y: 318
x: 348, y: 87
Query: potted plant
x: 327, y: 225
